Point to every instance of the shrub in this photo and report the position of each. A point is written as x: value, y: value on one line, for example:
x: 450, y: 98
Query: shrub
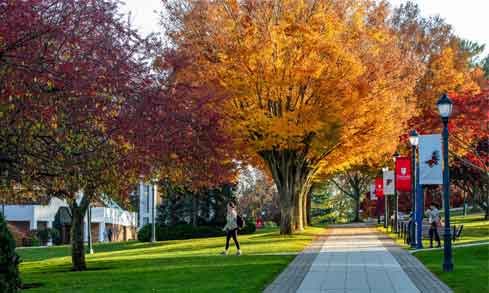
x: 249, y: 228
x: 45, y: 234
x: 270, y: 224
x: 9, y: 260
x: 187, y: 231
x: 31, y: 239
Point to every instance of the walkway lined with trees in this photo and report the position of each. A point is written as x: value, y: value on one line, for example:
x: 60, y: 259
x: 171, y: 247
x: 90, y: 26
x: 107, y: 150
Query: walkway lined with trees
x: 357, y: 258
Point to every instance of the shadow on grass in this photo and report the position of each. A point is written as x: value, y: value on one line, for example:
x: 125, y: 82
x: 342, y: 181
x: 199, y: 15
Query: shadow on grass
x: 187, y: 274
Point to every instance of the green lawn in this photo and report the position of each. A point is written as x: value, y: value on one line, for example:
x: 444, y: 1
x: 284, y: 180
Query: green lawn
x: 476, y: 229
x: 471, y: 273
x: 471, y: 268
x: 168, y: 266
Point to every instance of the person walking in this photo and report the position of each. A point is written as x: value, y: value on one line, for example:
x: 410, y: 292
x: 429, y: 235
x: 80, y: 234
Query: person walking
x: 109, y: 234
x: 434, y: 219
x: 231, y: 228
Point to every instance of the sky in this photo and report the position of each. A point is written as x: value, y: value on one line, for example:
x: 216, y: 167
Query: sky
x: 468, y: 17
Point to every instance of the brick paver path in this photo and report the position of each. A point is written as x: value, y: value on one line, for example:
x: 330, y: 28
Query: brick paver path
x: 354, y: 259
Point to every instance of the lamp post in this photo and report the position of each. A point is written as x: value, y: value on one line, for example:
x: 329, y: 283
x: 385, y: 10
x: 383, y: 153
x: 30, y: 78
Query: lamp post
x: 396, y: 201
x: 386, y: 210
x: 414, y: 140
x: 153, y: 224
x: 89, y: 220
x: 444, y: 105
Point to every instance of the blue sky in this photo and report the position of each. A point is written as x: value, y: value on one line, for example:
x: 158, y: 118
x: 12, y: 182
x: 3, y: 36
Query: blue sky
x: 468, y: 17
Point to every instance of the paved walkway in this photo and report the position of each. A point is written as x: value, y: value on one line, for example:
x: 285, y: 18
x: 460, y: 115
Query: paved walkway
x: 354, y: 259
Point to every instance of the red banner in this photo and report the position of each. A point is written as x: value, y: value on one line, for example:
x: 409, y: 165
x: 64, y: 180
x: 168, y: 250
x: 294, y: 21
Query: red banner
x: 379, y: 187
x: 403, y: 174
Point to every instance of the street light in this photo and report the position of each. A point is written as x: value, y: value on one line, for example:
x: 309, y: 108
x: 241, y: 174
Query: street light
x: 414, y: 140
x: 153, y: 206
x: 396, y: 201
x: 444, y: 105
x: 386, y: 211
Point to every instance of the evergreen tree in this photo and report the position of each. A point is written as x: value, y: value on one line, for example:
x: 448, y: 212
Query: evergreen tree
x: 9, y: 260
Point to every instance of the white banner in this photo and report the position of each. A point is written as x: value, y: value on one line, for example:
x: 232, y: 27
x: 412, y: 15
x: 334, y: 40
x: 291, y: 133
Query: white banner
x: 430, y: 160
x: 372, y: 192
x: 388, y: 177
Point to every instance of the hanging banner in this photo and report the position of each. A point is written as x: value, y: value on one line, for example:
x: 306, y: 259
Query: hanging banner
x: 403, y: 174
x: 388, y: 177
x: 430, y: 158
x: 372, y: 191
x: 379, y: 187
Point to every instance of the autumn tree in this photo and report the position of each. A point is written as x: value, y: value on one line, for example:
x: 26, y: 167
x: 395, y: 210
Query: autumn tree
x: 70, y: 75
x: 300, y: 83
x: 447, y: 59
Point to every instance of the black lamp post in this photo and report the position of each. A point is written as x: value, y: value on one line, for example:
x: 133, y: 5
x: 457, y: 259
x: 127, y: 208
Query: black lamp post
x: 444, y: 105
x: 414, y: 140
x: 396, y: 201
x: 153, y: 206
x: 386, y: 203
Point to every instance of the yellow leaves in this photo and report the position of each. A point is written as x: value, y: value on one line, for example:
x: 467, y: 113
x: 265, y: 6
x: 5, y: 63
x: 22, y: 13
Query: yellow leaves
x: 328, y: 77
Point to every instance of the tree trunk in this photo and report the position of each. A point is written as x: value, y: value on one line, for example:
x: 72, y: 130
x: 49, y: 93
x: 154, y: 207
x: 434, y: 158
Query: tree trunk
x: 305, y: 200
x: 305, y: 223
x: 486, y: 216
x: 77, y: 245
x: 298, y: 215
x: 308, y: 207
x: 289, y: 171
x: 286, y: 216
x: 357, y: 208
x: 195, y: 210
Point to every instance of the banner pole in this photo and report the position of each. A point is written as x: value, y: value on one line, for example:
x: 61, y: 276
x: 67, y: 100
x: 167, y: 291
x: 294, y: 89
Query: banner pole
x: 419, y: 211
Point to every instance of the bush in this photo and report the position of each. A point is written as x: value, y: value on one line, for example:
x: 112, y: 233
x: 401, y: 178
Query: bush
x: 31, y: 239
x: 249, y: 228
x: 9, y: 260
x: 187, y: 231
x: 45, y: 234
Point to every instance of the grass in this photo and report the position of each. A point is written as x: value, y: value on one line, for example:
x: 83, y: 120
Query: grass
x: 471, y: 264
x: 476, y: 229
x: 471, y: 268
x: 169, y: 266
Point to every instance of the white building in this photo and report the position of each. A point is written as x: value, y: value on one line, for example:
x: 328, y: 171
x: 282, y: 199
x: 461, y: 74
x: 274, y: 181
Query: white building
x: 107, y: 220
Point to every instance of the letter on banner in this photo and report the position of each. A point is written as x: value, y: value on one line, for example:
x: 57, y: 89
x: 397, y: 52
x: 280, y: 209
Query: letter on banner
x: 430, y: 158
x: 379, y: 187
x: 403, y: 174
x: 388, y: 182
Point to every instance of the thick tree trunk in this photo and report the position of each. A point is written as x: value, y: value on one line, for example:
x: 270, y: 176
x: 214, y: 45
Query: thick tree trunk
x: 357, y: 208
x: 286, y: 216
x: 77, y: 245
x: 289, y: 171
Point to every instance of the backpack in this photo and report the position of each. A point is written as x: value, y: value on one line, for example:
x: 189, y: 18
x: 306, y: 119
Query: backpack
x: 240, y: 222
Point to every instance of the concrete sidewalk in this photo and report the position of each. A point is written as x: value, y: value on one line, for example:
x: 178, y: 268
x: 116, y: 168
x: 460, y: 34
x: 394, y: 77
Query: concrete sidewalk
x: 354, y: 259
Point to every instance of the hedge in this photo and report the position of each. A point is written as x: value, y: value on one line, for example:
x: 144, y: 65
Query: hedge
x: 187, y: 231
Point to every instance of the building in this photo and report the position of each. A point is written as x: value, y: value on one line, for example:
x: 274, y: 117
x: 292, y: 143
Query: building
x: 107, y: 219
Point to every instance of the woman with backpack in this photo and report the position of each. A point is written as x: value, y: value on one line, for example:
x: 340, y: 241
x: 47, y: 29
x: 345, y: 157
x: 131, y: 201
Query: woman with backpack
x: 232, y: 227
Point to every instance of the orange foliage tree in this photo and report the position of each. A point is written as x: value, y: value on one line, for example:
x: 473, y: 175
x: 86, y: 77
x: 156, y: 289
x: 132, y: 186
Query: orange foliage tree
x: 308, y: 86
